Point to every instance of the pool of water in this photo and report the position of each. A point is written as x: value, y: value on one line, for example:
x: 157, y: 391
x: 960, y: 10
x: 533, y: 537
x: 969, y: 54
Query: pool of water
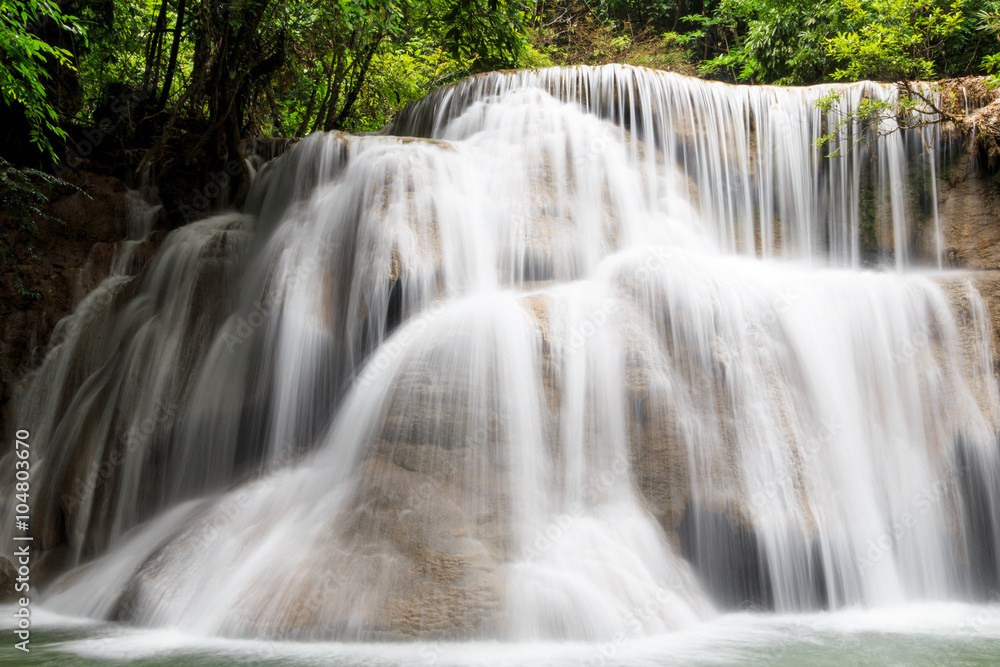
x: 926, y: 634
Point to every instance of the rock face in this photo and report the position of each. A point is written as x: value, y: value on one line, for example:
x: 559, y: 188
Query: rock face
x: 7, y: 576
x: 71, y: 260
x: 401, y: 563
x: 969, y: 210
x: 987, y: 284
x: 74, y: 252
x: 450, y: 585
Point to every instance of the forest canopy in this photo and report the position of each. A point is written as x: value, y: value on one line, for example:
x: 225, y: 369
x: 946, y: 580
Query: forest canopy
x: 177, y: 85
x: 285, y: 68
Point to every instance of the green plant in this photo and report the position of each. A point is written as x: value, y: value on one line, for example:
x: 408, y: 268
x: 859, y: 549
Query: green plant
x: 893, y: 40
x: 767, y: 41
x: 25, y: 58
x: 23, y: 201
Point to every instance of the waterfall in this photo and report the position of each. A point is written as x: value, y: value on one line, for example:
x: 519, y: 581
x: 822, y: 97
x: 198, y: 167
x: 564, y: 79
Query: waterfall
x: 561, y: 354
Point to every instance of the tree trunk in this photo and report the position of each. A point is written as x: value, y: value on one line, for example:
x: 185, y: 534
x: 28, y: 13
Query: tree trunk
x: 352, y: 94
x: 168, y: 78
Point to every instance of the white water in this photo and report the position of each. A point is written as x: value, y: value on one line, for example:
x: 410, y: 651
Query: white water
x: 538, y: 376
x: 919, y: 634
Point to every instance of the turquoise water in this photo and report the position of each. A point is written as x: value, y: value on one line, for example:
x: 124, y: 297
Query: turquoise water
x: 930, y: 634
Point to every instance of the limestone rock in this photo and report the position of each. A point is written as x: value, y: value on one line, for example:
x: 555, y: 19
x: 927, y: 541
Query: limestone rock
x: 987, y: 284
x: 968, y: 208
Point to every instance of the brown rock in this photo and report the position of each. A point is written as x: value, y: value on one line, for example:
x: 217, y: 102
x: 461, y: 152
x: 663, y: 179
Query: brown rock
x: 8, y: 574
x: 968, y: 210
x: 987, y: 284
x: 93, y: 217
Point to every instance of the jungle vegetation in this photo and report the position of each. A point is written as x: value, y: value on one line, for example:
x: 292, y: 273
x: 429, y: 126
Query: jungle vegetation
x: 174, y: 87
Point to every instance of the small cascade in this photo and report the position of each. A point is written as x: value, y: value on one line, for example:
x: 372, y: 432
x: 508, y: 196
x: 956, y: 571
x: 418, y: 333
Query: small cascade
x: 560, y: 354
x: 745, y: 155
x: 114, y: 381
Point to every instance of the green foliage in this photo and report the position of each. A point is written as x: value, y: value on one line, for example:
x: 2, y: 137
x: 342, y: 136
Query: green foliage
x: 295, y: 66
x: 767, y: 41
x: 347, y: 64
x: 900, y: 40
x: 25, y: 57
x: 866, y: 116
x: 483, y: 34
x: 351, y: 64
x: 400, y: 74
x: 987, y: 25
x: 893, y: 40
x: 119, y: 33
x: 21, y: 196
x: 974, y: 39
x: 23, y: 201
x: 798, y: 42
x: 658, y: 13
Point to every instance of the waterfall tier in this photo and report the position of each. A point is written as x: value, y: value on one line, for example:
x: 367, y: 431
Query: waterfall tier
x: 570, y: 353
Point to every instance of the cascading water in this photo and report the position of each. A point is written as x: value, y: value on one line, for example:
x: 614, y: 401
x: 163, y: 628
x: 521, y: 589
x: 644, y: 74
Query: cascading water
x: 529, y: 365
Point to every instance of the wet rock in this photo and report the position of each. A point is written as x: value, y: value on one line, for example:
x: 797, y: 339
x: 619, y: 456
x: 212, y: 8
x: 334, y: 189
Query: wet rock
x: 968, y: 209
x: 977, y: 475
x: 987, y: 285
x: 408, y: 559
x: 8, y: 574
x: 660, y: 461
x: 50, y: 564
x: 447, y: 583
x: 728, y: 559
x: 91, y: 218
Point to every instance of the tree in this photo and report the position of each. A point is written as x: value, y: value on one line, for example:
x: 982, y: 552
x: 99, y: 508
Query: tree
x: 25, y: 64
x: 900, y: 40
x: 893, y: 40
x: 177, y: 85
x: 779, y: 42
